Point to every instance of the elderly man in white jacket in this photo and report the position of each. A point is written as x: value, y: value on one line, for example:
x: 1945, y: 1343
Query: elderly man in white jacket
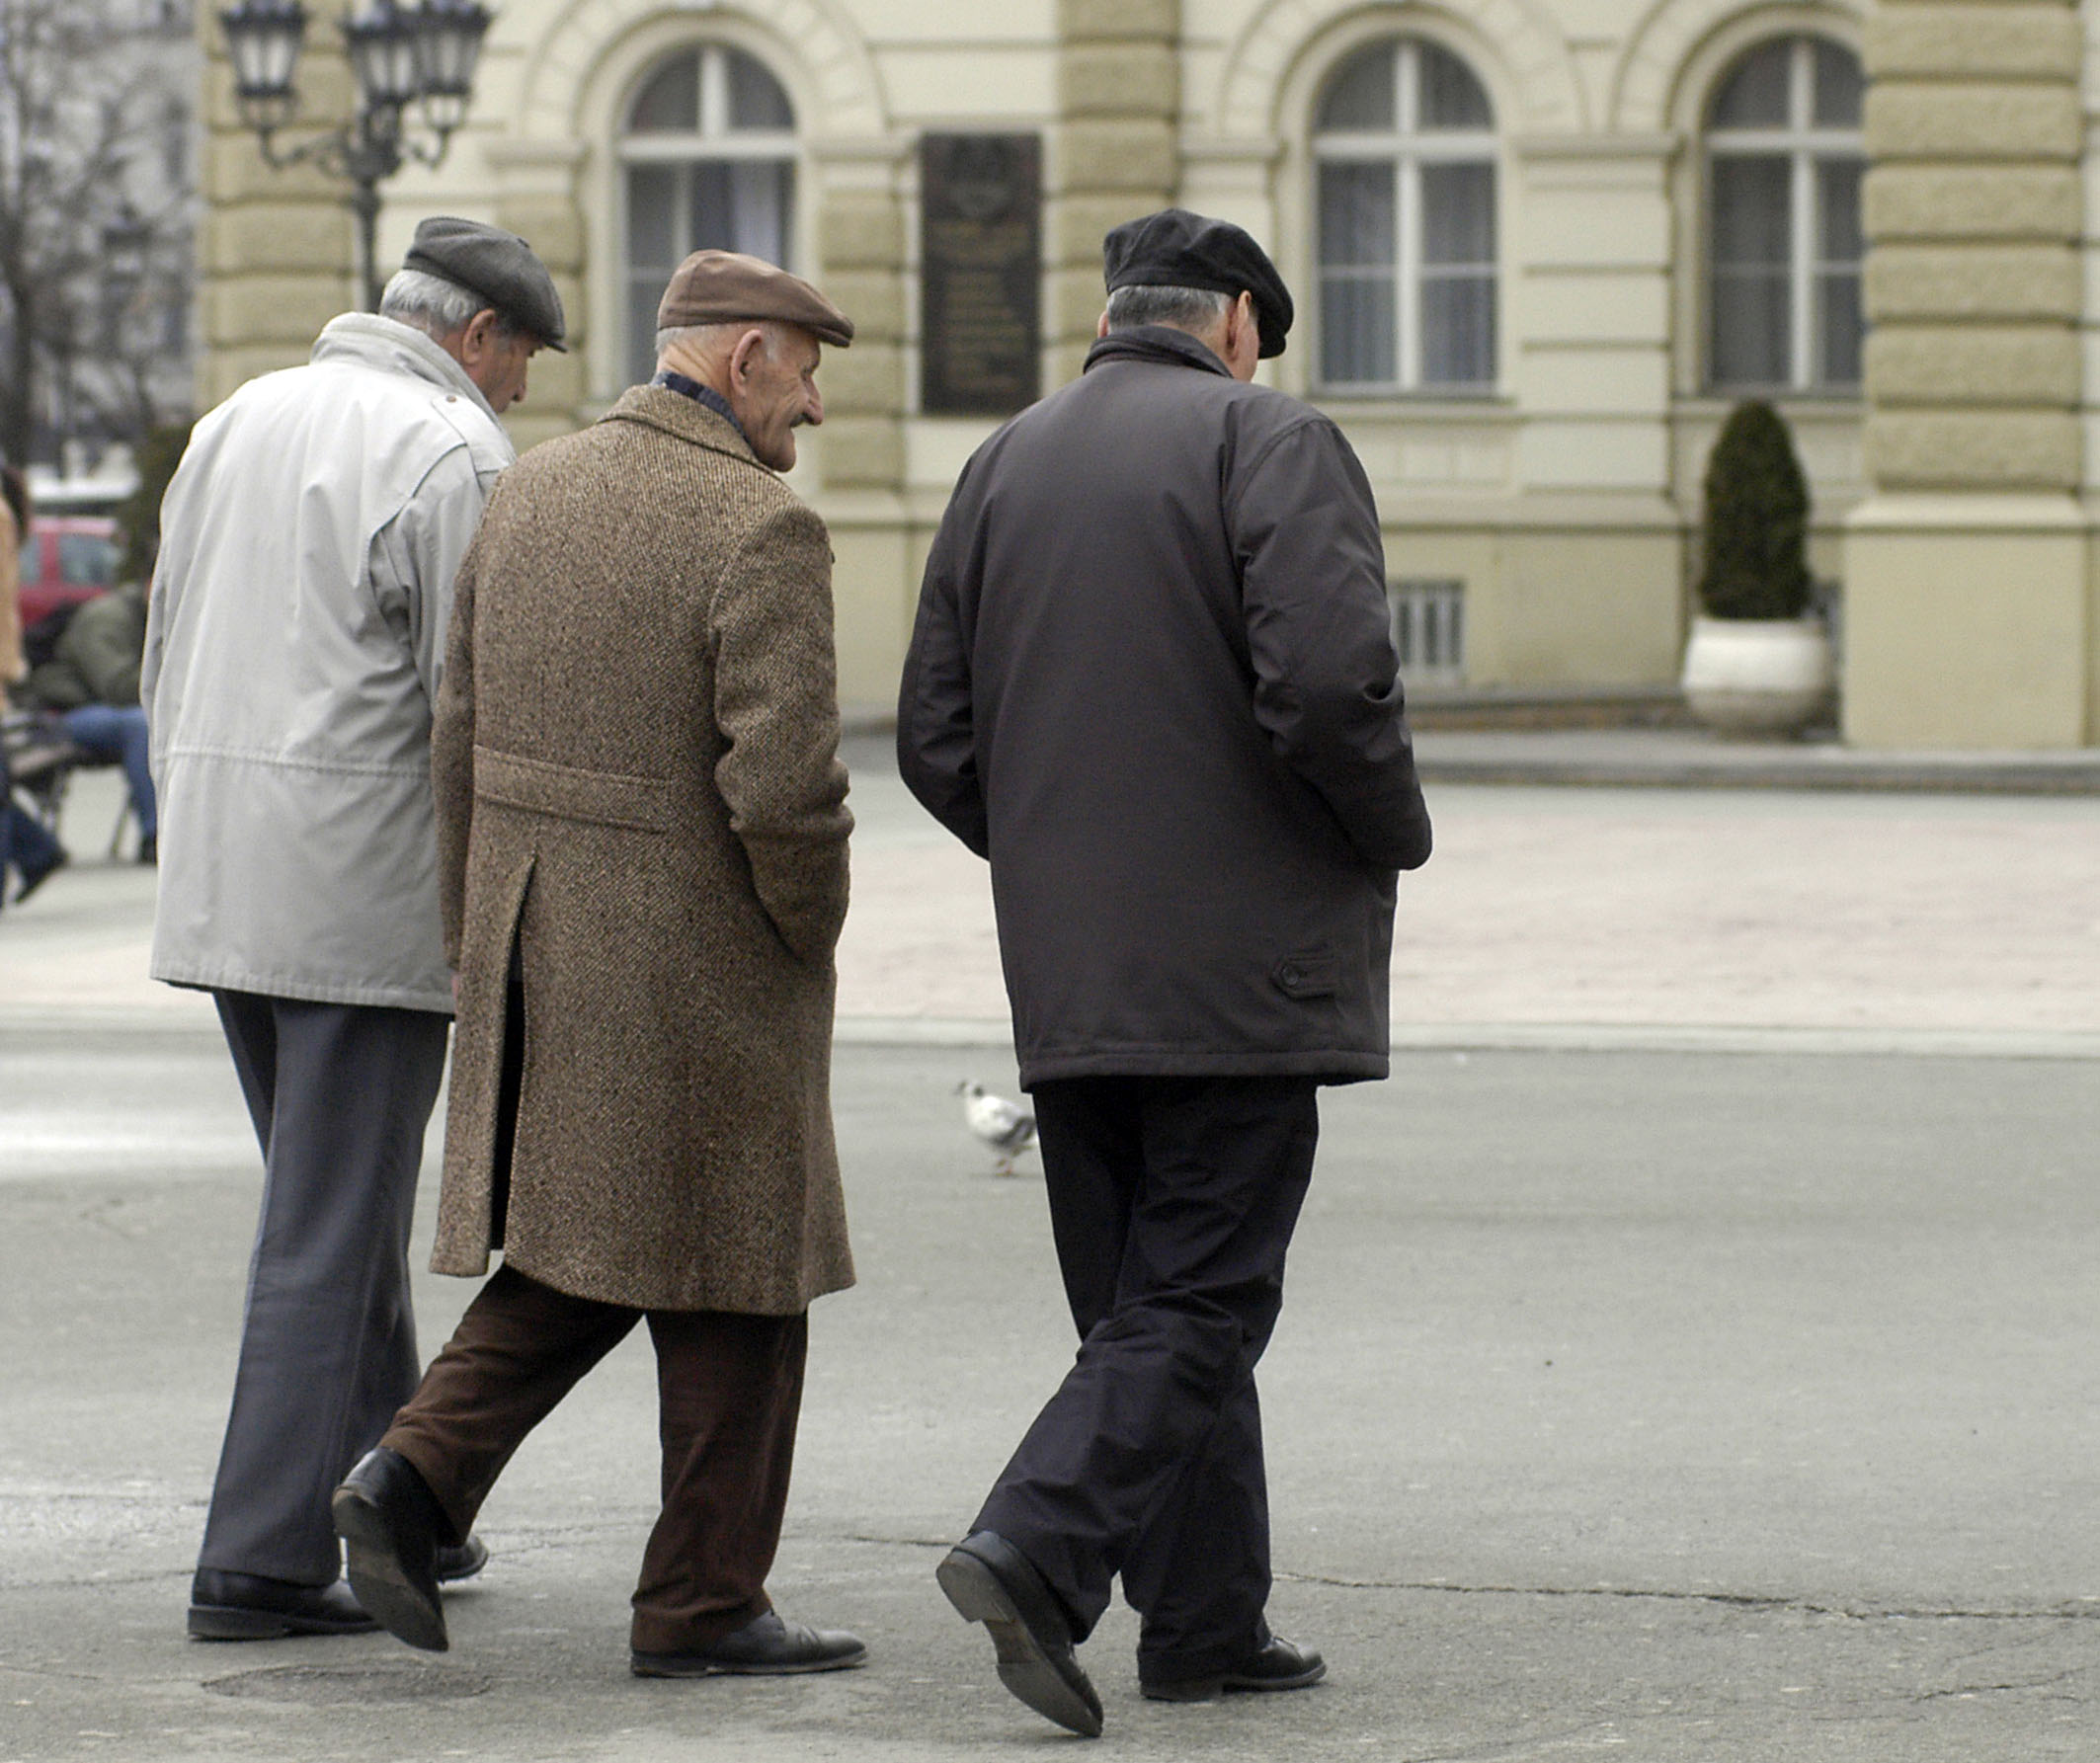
x: 295, y: 631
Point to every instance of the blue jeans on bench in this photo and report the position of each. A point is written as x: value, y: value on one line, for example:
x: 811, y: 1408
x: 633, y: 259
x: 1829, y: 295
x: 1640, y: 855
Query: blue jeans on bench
x: 110, y: 733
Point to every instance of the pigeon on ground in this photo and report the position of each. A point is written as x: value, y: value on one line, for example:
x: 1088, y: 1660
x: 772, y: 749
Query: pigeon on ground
x: 1008, y: 1127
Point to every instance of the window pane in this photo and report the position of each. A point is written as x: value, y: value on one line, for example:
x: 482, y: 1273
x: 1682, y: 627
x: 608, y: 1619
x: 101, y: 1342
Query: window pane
x: 1753, y: 212
x: 1751, y: 319
x: 86, y: 560
x: 1754, y: 95
x: 644, y: 294
x: 1839, y: 330
x: 671, y: 100
x: 742, y: 204
x: 1457, y: 214
x: 1838, y: 83
x: 755, y: 100
x: 1356, y: 215
x: 1357, y: 332
x: 1451, y: 98
x: 651, y: 203
x: 1838, y: 237
x: 1361, y: 95
x: 1458, y: 330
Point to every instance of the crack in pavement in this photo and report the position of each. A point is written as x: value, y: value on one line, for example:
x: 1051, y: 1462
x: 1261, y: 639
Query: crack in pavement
x: 1965, y: 1692
x: 2082, y: 1612
x: 1726, y: 1600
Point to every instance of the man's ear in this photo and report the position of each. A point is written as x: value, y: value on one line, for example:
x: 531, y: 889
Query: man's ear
x: 479, y: 335
x: 1101, y: 330
x: 752, y: 343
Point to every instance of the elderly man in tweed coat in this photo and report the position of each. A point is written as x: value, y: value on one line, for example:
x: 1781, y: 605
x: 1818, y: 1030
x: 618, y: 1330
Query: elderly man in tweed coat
x: 642, y: 859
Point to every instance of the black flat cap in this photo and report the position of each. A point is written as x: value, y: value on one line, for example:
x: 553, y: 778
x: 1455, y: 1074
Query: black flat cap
x: 498, y: 266
x: 1176, y: 249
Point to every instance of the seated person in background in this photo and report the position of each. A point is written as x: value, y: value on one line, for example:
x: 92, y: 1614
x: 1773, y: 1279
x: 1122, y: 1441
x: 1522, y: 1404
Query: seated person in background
x: 25, y: 845
x: 92, y: 681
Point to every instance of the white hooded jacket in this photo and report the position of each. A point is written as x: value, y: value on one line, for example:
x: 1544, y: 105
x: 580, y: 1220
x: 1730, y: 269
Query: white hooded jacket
x: 294, y: 642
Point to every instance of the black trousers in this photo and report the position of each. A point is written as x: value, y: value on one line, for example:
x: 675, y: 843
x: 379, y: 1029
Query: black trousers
x: 1173, y: 1201
x: 340, y: 1095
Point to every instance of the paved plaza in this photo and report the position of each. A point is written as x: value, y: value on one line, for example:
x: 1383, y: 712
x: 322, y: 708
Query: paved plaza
x: 1693, y: 1352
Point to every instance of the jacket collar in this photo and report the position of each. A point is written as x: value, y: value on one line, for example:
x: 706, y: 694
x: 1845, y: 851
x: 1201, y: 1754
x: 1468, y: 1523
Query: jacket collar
x: 395, y: 347
x: 1156, y: 343
x: 658, y: 406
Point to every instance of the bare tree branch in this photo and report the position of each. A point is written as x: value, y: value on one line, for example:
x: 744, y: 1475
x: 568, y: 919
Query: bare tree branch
x: 93, y: 229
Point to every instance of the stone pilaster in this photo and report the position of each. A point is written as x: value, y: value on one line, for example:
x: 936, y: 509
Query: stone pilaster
x: 860, y: 246
x: 1965, y: 592
x: 274, y: 248
x: 537, y: 200
x: 1113, y: 155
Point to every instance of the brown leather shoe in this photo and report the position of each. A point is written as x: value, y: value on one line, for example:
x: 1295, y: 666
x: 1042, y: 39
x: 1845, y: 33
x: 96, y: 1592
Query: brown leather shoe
x: 766, y: 1647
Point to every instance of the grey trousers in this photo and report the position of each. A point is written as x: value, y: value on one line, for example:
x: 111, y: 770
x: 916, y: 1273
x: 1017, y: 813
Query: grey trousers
x: 340, y: 1095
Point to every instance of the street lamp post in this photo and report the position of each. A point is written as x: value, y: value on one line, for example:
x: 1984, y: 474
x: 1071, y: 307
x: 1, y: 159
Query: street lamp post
x: 400, y: 54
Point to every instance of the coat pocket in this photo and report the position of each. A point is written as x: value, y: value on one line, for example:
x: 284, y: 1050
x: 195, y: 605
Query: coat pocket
x: 1307, y: 973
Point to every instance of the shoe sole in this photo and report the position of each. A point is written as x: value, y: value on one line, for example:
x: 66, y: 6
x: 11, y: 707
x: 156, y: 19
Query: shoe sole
x: 645, y: 1667
x: 1025, y: 1666
x: 1209, y: 1689
x: 227, y: 1622
x: 404, y: 1609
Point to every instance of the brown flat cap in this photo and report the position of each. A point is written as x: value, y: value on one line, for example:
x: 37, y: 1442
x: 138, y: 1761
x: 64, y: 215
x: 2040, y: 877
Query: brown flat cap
x: 728, y: 287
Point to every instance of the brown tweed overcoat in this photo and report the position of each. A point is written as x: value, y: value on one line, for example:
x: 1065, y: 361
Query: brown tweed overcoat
x: 635, y: 761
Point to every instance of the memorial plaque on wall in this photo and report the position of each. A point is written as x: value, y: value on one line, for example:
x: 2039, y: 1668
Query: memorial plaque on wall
x: 981, y: 263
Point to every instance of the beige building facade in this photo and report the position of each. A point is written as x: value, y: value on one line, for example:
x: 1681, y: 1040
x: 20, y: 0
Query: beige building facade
x: 1540, y: 248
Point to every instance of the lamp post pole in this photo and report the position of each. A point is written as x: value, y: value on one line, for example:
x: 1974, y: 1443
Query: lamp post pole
x: 400, y: 54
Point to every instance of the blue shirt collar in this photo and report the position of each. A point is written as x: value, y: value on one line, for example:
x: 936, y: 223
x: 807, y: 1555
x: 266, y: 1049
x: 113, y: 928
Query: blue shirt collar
x: 704, y: 396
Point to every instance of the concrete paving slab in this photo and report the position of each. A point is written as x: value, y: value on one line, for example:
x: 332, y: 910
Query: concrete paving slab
x: 1610, y: 918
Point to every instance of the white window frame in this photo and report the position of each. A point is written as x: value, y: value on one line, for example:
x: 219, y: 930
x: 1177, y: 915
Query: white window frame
x: 1406, y: 147
x: 713, y: 143
x: 1805, y: 146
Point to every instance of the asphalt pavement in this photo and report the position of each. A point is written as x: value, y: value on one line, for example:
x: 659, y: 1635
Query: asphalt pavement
x: 1689, y: 1354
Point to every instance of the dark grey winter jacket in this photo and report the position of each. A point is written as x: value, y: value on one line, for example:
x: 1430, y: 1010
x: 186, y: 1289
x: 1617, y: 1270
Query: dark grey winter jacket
x: 1152, y: 681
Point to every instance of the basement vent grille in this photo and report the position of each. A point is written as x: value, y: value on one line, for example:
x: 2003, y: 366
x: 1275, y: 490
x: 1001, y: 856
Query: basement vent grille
x: 1429, y: 631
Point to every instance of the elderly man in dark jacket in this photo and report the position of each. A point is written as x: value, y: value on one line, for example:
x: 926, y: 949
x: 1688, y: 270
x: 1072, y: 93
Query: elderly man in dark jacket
x: 1152, y: 681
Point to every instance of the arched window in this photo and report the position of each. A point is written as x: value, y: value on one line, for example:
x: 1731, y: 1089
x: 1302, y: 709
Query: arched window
x: 1404, y: 153
x: 709, y: 151
x: 1784, y: 161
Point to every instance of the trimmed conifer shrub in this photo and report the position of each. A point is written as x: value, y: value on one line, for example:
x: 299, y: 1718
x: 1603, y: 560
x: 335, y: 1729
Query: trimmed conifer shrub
x: 1757, y: 562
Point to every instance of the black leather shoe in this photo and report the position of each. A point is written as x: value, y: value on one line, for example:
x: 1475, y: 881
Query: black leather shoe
x: 461, y: 1560
x: 390, y: 1522
x: 1279, y: 1666
x: 765, y: 1647
x: 248, y: 1607
x: 990, y: 1581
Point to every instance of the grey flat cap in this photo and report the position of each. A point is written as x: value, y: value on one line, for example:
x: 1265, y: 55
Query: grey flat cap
x: 498, y: 266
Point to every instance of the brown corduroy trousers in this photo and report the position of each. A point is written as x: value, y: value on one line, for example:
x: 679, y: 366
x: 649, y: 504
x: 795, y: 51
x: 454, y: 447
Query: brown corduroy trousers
x: 729, y: 1392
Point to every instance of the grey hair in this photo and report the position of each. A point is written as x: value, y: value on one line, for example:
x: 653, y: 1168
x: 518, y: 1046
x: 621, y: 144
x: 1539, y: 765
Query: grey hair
x: 705, y: 339
x: 437, y: 307
x: 1185, y: 308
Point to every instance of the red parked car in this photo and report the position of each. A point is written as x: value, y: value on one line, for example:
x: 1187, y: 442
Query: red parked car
x: 66, y: 559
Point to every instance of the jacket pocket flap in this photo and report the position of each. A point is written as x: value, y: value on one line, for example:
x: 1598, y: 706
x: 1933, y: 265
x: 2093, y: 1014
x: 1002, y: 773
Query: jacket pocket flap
x: 1310, y: 973
x: 607, y: 798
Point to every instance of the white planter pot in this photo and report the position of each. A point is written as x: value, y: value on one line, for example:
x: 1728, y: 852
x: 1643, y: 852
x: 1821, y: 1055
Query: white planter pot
x: 1758, y: 675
